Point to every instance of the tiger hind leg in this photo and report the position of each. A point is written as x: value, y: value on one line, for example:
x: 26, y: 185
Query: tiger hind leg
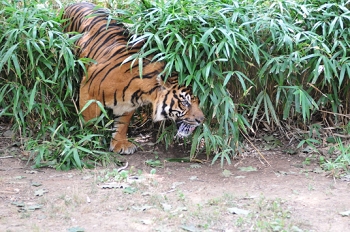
x: 119, y: 142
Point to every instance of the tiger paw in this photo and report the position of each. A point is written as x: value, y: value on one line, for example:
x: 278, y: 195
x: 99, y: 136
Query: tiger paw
x: 122, y: 147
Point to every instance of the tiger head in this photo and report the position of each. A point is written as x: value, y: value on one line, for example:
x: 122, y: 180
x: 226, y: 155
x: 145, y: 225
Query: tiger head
x: 177, y: 103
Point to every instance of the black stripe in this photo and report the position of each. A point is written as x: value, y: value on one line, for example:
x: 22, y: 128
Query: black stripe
x: 153, y: 89
x: 165, y: 105
x: 115, y: 98
x: 103, y: 98
x: 136, y: 96
x: 126, y: 87
x: 95, y: 74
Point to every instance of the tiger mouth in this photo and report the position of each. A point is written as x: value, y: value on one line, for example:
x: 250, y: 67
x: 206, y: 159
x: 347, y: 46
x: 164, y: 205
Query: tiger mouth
x: 185, y: 129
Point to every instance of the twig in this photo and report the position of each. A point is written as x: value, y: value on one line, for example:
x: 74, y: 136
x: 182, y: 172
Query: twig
x: 122, y: 168
x: 328, y: 112
x: 6, y: 157
x: 336, y: 134
x: 8, y: 192
x: 256, y: 148
x: 317, y: 90
x: 341, y: 136
x: 76, y: 108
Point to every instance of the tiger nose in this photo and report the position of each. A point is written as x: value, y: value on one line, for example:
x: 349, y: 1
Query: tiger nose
x: 200, y: 119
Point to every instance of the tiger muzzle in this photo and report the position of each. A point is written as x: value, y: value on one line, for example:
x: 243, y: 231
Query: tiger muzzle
x: 186, y: 128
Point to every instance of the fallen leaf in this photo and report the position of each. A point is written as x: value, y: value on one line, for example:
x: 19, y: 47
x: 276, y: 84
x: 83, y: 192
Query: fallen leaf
x: 283, y: 173
x: 269, y: 138
x: 296, y: 229
x: 142, y: 208
x: 114, y: 185
x: 331, y: 139
x: 345, y: 213
x: 195, y: 166
x: 191, y: 228
x: 87, y: 177
x: 238, y: 211
x: 146, y: 194
x: 291, y: 151
x: 30, y: 171
x: 40, y: 192
x: 179, y: 209
x: 345, y: 178
x: 318, y: 170
x: 76, y: 229
x: 154, y: 163
x: 247, y: 169
x: 18, y: 204
x: 226, y: 173
x: 240, y: 177
x: 33, y: 207
x: 36, y: 184
x: 129, y: 190
x: 308, y: 149
x: 146, y: 221
x: 24, y: 208
x: 166, y: 207
x: 175, y: 184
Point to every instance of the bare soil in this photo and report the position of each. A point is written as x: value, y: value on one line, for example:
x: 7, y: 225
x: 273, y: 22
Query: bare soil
x: 289, y: 195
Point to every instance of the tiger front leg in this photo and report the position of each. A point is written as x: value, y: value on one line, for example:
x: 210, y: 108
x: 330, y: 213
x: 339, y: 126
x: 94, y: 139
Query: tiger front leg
x: 91, y: 111
x: 119, y: 142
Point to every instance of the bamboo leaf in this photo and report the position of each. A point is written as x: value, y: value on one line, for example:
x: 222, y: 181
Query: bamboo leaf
x: 77, y: 158
x: 32, y: 97
x: 17, y: 65
x: 7, y: 55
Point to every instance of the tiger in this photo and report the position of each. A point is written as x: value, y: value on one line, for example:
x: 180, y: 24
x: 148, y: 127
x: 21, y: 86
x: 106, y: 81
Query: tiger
x: 117, y: 82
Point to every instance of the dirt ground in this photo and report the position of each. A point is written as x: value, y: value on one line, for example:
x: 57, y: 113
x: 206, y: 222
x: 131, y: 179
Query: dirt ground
x: 248, y: 195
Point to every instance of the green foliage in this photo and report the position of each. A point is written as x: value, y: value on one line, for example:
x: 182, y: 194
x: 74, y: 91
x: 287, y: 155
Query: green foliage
x: 35, y: 57
x: 39, y: 78
x: 341, y: 163
x: 69, y: 146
